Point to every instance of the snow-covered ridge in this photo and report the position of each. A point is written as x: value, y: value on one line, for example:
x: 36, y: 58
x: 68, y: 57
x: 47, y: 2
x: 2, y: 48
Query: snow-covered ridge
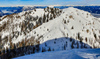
x: 17, y: 26
x: 51, y: 29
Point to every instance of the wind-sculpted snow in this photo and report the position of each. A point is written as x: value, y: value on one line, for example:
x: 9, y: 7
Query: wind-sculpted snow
x: 51, y: 29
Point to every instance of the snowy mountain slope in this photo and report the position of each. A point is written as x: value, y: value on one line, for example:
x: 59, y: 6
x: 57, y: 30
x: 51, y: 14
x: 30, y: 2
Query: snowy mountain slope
x: 67, y: 54
x: 25, y: 8
x: 51, y: 29
x: 16, y: 26
x: 62, y: 27
x: 70, y: 23
x: 80, y: 23
x: 14, y: 9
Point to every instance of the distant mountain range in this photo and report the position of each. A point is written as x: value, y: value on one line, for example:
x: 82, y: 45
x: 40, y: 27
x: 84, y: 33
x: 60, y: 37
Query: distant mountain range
x: 11, y: 10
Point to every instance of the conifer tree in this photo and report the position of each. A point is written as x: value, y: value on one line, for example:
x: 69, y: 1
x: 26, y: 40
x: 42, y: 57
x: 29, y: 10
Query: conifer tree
x: 44, y: 18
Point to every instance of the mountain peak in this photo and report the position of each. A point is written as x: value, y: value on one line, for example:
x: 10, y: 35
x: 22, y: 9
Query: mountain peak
x: 50, y: 28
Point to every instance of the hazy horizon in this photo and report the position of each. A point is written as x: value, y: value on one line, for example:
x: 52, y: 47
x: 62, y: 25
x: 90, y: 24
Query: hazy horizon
x: 47, y: 2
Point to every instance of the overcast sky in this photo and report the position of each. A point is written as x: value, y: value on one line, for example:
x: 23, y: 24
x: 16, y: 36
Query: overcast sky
x: 48, y: 2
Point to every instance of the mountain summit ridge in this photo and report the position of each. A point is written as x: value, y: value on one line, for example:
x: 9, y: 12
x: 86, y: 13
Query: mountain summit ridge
x: 50, y: 28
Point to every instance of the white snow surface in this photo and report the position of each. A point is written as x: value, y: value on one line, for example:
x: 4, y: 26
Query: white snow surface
x: 57, y: 28
x: 67, y: 54
x: 5, y: 11
x: 80, y: 20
